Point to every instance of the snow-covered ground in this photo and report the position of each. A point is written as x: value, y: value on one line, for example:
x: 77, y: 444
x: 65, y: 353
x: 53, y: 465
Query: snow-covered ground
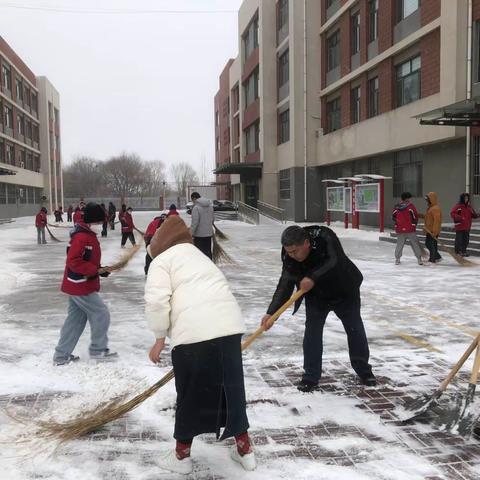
x: 418, y: 319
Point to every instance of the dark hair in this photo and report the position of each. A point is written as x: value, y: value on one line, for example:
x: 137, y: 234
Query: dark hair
x: 195, y: 195
x: 294, y: 235
x: 405, y: 195
x: 172, y: 207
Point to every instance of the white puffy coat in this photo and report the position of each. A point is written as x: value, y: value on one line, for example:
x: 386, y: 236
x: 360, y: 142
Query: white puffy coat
x: 188, y: 298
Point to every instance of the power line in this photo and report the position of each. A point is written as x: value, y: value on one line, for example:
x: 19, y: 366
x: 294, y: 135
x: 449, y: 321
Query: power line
x: 113, y: 11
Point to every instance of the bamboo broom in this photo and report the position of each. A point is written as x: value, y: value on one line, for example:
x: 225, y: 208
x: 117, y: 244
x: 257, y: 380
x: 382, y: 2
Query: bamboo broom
x: 219, y: 234
x: 219, y: 255
x: 461, y: 260
x: 124, y: 259
x: 52, y: 236
x: 108, y: 411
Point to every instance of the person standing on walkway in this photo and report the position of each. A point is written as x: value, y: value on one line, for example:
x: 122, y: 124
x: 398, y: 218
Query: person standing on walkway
x: 187, y: 298
x: 462, y: 214
x: 405, y: 217
x: 314, y: 261
x: 41, y: 224
x: 126, y: 220
x: 202, y: 223
x: 81, y: 282
x: 105, y: 221
x: 433, y: 223
x: 112, y: 212
x: 69, y: 213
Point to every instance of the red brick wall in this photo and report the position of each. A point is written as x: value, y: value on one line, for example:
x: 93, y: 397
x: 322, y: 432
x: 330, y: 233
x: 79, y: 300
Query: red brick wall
x: 386, y: 16
x: 251, y: 64
x: 363, y: 97
x: 345, y: 42
x: 476, y: 10
x: 345, y: 105
x: 251, y: 114
x: 363, y: 32
x: 430, y: 72
x: 385, y: 83
x: 430, y: 10
x: 8, y: 52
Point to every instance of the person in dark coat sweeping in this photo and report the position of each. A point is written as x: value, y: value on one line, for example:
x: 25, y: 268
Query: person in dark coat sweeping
x: 112, y: 212
x: 126, y: 220
x: 462, y: 214
x: 187, y: 298
x: 314, y: 260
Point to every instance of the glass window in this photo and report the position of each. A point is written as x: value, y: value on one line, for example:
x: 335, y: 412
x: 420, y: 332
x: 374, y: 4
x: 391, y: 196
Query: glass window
x: 19, y: 90
x: 408, y: 172
x: 252, y: 140
x: 20, y: 124
x: 7, y: 116
x: 11, y: 194
x: 373, y: 97
x: 334, y: 115
x: 251, y: 88
x: 355, y: 33
x: 333, y: 51
x: 476, y: 166
x: 408, y: 81
x: 6, y: 77
x: 250, y: 38
x: 9, y: 158
x: 35, y: 132
x: 283, y: 69
x: 2, y: 151
x: 372, y: 20
x: 355, y: 102
x: 282, y: 20
x: 406, y: 8
x: 26, y: 95
x: 284, y: 127
x: 284, y: 179
x: 3, y: 193
x: 34, y: 102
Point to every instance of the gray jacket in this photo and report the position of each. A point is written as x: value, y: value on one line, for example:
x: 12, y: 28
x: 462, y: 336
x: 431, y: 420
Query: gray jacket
x: 202, y: 218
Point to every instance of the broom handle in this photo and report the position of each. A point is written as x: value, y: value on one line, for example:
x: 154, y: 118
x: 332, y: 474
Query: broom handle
x: 272, y: 319
x: 476, y: 366
x: 460, y: 363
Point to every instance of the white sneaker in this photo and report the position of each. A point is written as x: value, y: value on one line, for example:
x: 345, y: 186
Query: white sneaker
x: 170, y: 462
x: 247, y: 461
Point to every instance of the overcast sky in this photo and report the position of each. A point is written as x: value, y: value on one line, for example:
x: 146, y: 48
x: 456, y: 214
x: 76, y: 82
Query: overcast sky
x: 139, y: 82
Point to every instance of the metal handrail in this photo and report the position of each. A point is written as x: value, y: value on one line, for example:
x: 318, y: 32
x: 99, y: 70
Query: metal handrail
x: 271, y: 211
x: 248, y: 213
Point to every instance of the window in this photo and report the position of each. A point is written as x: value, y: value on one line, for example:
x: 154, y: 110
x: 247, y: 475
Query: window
x: 282, y: 20
x: 355, y: 105
x: 19, y: 90
x: 11, y: 193
x: 251, y: 88
x: 28, y: 129
x: 330, y: 3
x: 216, y: 118
x: 235, y: 99
x: 284, y: 178
x: 26, y: 95
x: 333, y: 115
x: 406, y: 8
x: 283, y: 69
x: 476, y: 166
x: 373, y: 97
x: 250, y: 38
x: 35, y: 132
x: 3, y: 193
x: 333, y: 51
x: 6, y: 77
x: 9, y: 155
x: 408, y: 81
x: 252, y: 140
x: 284, y: 126
x: 372, y: 20
x: 34, y: 102
x: 8, y: 116
x: 20, y: 124
x: 355, y: 33
x: 408, y: 172
x: 29, y: 161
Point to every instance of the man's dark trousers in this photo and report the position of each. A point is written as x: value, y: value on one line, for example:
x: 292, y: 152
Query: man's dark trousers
x: 204, y: 244
x: 348, y: 311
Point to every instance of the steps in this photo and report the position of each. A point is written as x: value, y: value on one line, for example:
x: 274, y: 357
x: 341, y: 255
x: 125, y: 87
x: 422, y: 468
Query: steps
x: 447, y: 237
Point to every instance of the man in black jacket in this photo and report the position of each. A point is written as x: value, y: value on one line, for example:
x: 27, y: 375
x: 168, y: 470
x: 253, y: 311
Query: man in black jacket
x: 314, y: 260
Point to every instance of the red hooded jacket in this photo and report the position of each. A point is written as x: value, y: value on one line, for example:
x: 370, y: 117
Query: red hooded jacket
x: 405, y: 217
x: 41, y: 220
x: 78, y: 216
x: 127, y: 222
x: 83, y: 261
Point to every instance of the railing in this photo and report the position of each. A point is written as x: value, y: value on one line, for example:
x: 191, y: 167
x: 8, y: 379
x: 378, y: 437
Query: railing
x: 248, y: 213
x: 270, y: 211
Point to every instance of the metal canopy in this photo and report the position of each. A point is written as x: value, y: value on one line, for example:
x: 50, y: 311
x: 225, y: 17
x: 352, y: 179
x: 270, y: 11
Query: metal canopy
x: 6, y: 171
x: 372, y: 176
x: 329, y: 180
x: 238, y: 168
x: 461, y: 114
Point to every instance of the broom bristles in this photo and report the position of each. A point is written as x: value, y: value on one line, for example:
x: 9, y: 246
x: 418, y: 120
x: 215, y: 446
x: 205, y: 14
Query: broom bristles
x: 52, y: 236
x: 219, y: 234
x: 219, y: 255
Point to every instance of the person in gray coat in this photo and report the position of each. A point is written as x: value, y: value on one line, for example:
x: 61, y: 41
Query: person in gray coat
x: 202, y: 223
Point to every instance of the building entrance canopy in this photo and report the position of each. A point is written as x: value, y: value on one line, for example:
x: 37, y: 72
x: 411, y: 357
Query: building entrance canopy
x: 461, y: 114
x: 239, y: 168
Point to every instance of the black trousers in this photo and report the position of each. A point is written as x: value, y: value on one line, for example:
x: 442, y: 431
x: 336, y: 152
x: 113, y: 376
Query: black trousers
x: 204, y: 244
x: 111, y: 220
x: 104, y: 229
x: 148, y: 261
x: 432, y: 245
x: 348, y: 311
x: 127, y: 235
x: 462, y: 239
x: 69, y: 217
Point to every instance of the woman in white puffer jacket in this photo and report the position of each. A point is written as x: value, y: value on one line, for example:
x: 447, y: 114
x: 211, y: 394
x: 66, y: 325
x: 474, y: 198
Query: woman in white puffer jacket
x: 188, y: 299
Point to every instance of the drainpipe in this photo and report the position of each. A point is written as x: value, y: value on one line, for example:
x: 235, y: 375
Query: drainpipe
x: 469, y: 96
x: 305, y: 109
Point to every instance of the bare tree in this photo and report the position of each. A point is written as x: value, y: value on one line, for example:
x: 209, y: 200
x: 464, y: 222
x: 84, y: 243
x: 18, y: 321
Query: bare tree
x: 183, y: 174
x: 154, y: 176
x: 83, y: 177
x: 125, y: 174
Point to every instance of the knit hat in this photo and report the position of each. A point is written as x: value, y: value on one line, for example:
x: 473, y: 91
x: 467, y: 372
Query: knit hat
x: 93, y: 213
x: 173, y: 231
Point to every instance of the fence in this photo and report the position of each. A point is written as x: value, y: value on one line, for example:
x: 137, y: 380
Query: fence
x: 248, y: 213
x: 137, y: 203
x: 270, y: 211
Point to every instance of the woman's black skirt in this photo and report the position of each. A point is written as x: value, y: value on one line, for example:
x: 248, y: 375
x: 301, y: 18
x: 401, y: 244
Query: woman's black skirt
x: 210, y: 388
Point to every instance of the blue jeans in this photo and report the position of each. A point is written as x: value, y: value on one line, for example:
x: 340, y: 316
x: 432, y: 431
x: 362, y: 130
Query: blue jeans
x: 80, y: 309
x: 348, y: 311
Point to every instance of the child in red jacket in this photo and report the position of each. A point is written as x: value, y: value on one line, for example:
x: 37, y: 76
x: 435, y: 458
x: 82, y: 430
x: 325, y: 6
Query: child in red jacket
x: 462, y: 214
x: 81, y: 282
x: 126, y: 220
x: 41, y: 223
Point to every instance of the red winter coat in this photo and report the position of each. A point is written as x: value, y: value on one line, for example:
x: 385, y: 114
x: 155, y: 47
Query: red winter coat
x: 462, y: 216
x: 405, y: 217
x: 78, y: 216
x: 127, y: 222
x: 70, y: 210
x: 83, y: 261
x: 41, y: 220
x: 172, y: 212
x: 153, y: 226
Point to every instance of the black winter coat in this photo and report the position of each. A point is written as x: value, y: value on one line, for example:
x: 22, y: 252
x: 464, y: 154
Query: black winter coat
x: 336, y: 277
